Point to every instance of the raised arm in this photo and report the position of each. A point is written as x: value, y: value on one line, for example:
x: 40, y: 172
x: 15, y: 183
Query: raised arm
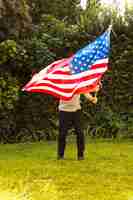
x: 92, y: 98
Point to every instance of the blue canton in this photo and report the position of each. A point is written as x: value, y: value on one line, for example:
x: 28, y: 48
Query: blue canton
x: 84, y: 58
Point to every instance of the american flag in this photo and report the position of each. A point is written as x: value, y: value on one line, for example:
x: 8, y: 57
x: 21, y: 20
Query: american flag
x: 80, y: 73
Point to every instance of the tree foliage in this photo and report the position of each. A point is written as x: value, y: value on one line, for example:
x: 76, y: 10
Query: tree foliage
x: 63, y: 10
x: 14, y: 18
x: 58, y: 28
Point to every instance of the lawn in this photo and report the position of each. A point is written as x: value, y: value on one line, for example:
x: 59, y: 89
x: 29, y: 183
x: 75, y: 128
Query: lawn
x: 31, y: 172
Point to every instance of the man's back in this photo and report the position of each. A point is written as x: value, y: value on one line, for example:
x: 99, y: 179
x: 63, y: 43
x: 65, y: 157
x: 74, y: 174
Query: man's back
x: 71, y: 105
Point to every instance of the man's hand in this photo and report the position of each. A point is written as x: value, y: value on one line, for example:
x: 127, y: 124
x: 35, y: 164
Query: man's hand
x: 97, y: 88
x: 93, y: 100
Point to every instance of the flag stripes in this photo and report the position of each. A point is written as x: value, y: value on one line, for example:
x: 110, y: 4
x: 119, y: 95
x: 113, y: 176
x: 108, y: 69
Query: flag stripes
x: 57, y: 80
x: 80, y: 73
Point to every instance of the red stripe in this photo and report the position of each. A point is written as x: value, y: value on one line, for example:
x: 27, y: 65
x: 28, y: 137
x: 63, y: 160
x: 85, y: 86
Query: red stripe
x: 88, y: 89
x: 56, y: 69
x: 51, y: 93
x: 100, y: 65
x: 61, y: 63
x: 59, y: 72
x: 65, y: 90
x: 89, y: 77
x: 96, y: 66
x: 46, y: 91
x: 81, y: 90
x: 67, y: 81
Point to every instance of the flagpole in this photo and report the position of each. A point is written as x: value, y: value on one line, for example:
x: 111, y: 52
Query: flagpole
x: 110, y: 27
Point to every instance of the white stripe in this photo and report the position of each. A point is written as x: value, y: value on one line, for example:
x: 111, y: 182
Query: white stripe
x: 59, y: 92
x: 66, y: 68
x: 105, y: 60
x: 67, y: 85
x: 39, y: 75
x: 76, y: 76
x: 43, y: 73
x: 61, y: 69
x: 50, y: 89
x: 86, y: 83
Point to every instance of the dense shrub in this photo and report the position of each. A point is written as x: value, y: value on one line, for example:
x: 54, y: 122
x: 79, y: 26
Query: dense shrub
x: 31, y: 117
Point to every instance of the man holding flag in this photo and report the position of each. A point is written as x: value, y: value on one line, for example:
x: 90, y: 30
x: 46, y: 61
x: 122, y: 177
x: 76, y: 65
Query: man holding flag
x: 69, y: 113
x: 68, y: 78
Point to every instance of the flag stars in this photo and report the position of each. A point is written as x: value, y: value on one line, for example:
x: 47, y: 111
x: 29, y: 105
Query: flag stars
x: 99, y: 42
x: 84, y: 64
x: 93, y: 52
x: 95, y: 57
x: 83, y: 58
x: 75, y: 59
x: 76, y: 67
x: 84, y: 51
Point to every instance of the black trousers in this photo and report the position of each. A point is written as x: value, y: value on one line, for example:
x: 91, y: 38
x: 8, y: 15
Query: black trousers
x: 67, y: 120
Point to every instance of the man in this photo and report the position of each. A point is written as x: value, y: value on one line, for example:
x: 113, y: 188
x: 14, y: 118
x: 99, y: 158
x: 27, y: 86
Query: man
x: 69, y: 113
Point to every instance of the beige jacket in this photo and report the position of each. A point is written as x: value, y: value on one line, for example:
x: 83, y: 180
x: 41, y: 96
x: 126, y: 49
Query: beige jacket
x: 72, y: 105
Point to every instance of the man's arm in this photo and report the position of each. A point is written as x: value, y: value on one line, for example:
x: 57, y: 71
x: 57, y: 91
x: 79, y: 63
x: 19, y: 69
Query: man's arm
x: 91, y: 98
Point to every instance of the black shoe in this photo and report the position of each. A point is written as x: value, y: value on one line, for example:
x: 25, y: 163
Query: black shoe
x: 60, y: 158
x: 80, y: 157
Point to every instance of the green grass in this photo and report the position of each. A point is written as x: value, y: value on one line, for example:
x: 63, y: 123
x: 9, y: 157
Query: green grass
x: 31, y: 172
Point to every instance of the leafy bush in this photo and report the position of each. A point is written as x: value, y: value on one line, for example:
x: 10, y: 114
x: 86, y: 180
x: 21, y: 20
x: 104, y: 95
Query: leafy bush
x: 9, y: 91
x: 8, y: 49
x: 9, y: 94
x: 26, y: 117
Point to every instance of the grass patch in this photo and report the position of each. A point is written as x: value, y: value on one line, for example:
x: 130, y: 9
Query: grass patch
x: 31, y: 172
